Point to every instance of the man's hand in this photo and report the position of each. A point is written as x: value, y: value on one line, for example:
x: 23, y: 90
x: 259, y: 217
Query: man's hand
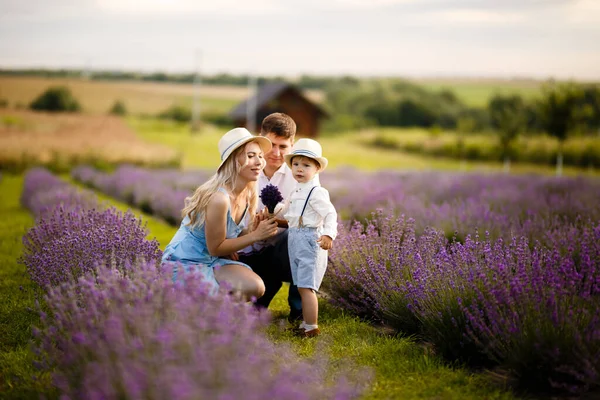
x: 325, y: 242
x: 233, y: 256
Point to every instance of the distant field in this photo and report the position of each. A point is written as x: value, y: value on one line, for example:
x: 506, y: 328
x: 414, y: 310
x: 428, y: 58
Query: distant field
x: 153, y: 97
x: 139, y: 97
x: 61, y: 141
x: 476, y: 92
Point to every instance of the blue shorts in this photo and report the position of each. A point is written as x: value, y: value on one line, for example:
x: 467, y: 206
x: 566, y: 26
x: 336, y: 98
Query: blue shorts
x: 308, y: 260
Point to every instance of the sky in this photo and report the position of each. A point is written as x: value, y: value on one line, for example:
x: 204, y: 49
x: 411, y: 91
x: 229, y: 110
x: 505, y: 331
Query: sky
x: 412, y: 38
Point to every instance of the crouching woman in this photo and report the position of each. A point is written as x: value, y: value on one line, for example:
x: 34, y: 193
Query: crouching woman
x: 213, y: 230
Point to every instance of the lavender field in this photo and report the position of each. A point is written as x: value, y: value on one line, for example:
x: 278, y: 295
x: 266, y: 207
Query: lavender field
x: 495, y: 271
x: 503, y: 206
x: 115, y: 325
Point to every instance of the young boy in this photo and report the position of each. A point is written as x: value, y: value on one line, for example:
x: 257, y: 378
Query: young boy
x: 312, y: 223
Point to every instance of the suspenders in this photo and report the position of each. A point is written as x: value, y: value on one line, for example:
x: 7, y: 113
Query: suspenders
x: 300, y: 224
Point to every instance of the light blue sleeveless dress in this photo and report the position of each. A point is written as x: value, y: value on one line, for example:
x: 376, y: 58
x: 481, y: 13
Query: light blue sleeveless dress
x: 189, y: 251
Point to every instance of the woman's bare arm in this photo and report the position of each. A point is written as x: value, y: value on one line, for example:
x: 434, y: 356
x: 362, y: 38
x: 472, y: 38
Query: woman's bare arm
x: 216, y: 229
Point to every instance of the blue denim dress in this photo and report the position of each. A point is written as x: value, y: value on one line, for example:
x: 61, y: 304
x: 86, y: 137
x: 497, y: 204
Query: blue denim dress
x: 188, y: 248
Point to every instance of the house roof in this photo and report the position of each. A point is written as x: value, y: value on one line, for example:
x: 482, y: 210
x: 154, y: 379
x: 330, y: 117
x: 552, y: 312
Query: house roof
x: 266, y: 93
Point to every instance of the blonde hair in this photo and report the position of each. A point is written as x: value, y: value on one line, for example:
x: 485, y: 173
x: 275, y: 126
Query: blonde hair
x: 225, y: 177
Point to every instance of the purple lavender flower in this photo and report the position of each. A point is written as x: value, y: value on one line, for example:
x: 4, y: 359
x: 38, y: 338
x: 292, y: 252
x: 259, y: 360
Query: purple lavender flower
x: 67, y: 243
x: 271, y: 196
x: 43, y: 192
x: 142, y: 336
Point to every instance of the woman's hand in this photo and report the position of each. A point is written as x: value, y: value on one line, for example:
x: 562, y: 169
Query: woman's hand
x: 265, y: 229
x: 260, y: 216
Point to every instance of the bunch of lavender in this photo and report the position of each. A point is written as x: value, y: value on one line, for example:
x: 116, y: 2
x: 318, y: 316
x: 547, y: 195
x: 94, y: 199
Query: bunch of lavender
x: 270, y: 197
x: 145, y: 337
x: 67, y: 243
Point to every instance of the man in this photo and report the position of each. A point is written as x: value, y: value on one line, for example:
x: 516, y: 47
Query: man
x: 269, y: 259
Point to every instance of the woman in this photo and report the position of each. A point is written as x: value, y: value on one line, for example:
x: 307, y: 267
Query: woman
x: 213, y: 230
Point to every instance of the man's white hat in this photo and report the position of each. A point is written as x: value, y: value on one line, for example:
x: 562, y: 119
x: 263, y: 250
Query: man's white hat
x: 238, y: 137
x: 307, y: 148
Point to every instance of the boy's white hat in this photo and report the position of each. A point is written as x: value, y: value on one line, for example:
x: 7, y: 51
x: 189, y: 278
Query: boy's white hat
x: 307, y: 148
x: 238, y: 137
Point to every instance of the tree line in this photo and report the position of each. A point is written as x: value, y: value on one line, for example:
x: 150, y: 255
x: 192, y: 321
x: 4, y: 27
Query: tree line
x: 305, y: 81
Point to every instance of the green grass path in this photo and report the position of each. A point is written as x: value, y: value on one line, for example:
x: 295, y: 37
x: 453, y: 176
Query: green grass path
x: 402, y: 368
x: 18, y: 378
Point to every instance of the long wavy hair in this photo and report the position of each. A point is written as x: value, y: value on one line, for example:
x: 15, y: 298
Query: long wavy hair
x: 225, y: 177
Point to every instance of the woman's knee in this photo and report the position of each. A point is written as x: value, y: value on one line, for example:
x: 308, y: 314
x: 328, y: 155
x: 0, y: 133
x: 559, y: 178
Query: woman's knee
x: 256, y: 288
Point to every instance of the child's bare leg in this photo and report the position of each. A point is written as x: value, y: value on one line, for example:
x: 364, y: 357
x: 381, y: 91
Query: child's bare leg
x: 310, y: 306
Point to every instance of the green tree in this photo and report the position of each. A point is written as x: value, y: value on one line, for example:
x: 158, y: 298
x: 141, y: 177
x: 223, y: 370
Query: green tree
x: 56, y: 99
x: 118, y: 108
x: 560, y: 114
x: 508, y: 115
x: 177, y: 113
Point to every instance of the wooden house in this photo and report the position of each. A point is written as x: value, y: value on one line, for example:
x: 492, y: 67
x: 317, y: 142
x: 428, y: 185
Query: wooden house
x: 286, y: 98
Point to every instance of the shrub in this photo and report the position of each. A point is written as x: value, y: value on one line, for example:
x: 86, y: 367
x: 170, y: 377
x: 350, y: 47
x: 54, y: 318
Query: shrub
x: 118, y: 108
x: 43, y: 192
x: 145, y: 337
x: 527, y: 308
x: 177, y: 113
x: 218, y: 119
x: 536, y: 310
x: 56, y: 99
x: 66, y: 244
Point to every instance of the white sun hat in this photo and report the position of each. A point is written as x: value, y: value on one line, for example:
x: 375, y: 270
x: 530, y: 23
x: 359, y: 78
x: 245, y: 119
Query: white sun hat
x: 238, y: 137
x: 307, y: 148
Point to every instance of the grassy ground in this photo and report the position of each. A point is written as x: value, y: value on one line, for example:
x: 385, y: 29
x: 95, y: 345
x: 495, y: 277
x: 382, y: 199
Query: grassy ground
x: 18, y: 378
x: 402, y: 368
x: 199, y: 150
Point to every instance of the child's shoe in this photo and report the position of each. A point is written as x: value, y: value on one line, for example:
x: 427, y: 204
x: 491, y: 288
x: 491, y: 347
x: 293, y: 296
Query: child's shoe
x: 311, y: 333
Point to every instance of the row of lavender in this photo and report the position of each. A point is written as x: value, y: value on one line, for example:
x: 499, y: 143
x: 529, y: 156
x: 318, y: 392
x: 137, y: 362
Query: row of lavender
x: 158, y: 192
x: 528, y: 309
x: 522, y: 295
x: 502, y: 205
x: 119, y: 327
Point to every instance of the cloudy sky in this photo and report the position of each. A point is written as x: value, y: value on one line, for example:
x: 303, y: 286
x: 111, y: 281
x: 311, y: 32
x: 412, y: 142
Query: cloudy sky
x: 495, y: 38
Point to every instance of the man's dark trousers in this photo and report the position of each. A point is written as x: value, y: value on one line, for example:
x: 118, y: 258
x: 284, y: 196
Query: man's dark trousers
x: 272, y: 264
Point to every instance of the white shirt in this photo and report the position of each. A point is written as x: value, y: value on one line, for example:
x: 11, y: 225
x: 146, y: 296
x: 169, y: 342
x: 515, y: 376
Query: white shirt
x: 285, y: 182
x: 319, y: 212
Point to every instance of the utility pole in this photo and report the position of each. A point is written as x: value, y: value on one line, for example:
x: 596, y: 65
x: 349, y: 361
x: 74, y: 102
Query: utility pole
x: 251, y: 104
x: 196, y: 97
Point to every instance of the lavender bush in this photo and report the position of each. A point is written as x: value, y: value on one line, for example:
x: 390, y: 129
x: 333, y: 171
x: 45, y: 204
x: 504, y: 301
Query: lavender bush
x: 144, y: 337
x: 540, y: 318
x: 529, y: 309
x: 43, y: 191
x: 67, y: 243
x: 158, y: 192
